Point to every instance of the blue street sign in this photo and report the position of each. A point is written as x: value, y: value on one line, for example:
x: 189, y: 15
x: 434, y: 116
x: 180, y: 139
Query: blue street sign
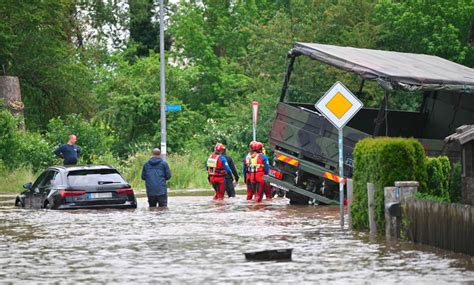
x: 173, y: 108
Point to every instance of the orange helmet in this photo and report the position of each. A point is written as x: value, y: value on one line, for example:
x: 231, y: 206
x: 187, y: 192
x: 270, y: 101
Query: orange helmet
x: 219, y: 147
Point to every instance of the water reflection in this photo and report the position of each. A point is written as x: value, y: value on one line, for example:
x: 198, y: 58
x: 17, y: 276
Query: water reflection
x: 200, y: 241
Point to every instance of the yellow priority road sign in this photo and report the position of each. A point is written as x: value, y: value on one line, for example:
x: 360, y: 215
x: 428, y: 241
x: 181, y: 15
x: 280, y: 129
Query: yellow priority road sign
x: 339, y: 105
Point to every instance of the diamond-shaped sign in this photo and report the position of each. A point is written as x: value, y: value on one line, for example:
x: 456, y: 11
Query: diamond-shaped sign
x: 339, y: 105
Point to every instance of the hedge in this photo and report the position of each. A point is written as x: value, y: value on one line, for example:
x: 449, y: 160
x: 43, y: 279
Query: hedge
x: 455, y: 183
x: 438, y: 170
x: 383, y: 161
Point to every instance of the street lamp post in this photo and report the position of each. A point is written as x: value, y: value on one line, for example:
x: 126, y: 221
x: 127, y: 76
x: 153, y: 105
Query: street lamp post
x: 162, y: 83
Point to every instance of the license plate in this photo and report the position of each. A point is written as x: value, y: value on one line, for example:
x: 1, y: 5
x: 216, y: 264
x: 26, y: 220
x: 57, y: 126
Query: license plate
x: 99, y: 195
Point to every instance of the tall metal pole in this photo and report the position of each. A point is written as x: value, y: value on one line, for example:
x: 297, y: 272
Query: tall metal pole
x: 341, y: 175
x: 162, y: 83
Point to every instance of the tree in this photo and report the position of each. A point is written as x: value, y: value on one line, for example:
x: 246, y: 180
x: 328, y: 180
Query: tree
x: 434, y: 27
x: 36, y: 46
x: 144, y: 31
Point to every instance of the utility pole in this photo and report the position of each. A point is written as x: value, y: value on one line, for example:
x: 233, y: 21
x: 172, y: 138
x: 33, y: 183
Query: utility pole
x: 162, y: 83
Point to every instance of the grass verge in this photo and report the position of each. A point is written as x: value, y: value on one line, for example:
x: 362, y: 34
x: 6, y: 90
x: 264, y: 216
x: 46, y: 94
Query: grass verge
x: 11, y: 181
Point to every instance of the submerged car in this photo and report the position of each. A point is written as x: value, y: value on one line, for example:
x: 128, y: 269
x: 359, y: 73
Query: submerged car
x: 78, y: 187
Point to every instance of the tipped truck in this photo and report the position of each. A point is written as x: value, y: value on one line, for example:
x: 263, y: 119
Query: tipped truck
x: 305, y: 144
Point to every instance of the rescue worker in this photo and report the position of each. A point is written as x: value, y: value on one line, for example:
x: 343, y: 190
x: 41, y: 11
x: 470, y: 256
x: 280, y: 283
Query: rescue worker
x: 229, y: 181
x: 267, y: 189
x: 218, y: 169
x: 255, y: 166
x: 246, y: 166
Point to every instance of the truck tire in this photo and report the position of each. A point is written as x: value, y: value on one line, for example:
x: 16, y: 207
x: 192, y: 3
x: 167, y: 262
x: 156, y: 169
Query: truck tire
x: 297, y: 199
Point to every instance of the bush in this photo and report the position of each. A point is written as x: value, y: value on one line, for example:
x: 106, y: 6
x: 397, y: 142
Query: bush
x: 383, y: 161
x: 10, y: 138
x: 37, y: 153
x: 455, y: 194
x: 438, y: 170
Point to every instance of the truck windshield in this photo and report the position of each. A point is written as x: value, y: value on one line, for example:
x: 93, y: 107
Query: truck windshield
x: 94, y: 177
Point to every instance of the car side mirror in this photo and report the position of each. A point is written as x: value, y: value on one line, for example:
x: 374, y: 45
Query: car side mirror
x: 27, y: 186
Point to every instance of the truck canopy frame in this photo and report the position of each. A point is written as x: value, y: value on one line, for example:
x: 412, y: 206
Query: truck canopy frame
x: 391, y: 70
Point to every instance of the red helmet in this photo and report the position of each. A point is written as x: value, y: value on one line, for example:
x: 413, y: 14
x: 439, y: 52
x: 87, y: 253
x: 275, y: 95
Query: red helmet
x: 258, y: 146
x: 252, y: 145
x: 219, y: 147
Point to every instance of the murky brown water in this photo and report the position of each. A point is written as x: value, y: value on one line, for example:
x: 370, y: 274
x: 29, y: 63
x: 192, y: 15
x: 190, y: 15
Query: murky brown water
x: 198, y: 241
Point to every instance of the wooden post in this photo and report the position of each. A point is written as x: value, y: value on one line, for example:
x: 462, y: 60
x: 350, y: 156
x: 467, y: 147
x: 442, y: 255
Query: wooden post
x: 350, y: 187
x: 371, y: 203
x: 10, y: 93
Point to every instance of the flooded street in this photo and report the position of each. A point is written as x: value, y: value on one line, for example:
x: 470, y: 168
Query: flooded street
x: 198, y: 241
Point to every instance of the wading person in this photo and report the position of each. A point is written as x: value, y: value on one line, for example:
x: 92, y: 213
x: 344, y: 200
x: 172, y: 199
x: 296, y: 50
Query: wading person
x: 246, y: 171
x: 69, y: 152
x: 255, y: 166
x: 218, y: 169
x: 267, y: 188
x: 156, y: 172
x: 229, y: 181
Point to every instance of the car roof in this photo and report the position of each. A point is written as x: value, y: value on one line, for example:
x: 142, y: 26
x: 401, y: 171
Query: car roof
x: 81, y: 167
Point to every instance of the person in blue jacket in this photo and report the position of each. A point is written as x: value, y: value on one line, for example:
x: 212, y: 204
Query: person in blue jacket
x: 69, y: 152
x: 155, y: 173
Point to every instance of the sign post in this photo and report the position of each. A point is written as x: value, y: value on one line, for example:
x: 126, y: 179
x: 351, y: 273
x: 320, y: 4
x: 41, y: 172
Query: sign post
x: 339, y: 105
x: 254, y: 117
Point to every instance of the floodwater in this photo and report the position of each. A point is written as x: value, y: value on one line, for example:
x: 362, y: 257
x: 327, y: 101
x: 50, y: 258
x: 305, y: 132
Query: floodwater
x: 200, y: 242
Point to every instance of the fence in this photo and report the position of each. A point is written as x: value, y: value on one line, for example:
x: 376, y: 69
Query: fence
x: 440, y: 224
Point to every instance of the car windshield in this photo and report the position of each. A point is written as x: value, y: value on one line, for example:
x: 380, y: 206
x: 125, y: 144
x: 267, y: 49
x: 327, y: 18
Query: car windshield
x: 94, y: 177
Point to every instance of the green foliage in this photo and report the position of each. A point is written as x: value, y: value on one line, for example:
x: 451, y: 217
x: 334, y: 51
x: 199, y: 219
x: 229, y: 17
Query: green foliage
x: 9, y: 140
x: 131, y: 94
x: 94, y: 139
x: 438, y: 170
x: 435, y: 27
x: 383, y: 161
x: 19, y: 149
x: 225, y: 55
x: 37, y: 152
x: 455, y: 192
x: 426, y: 196
x: 187, y: 171
x: 36, y: 44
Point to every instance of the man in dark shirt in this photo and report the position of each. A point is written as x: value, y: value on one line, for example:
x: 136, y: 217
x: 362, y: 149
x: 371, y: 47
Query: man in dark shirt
x: 156, y: 172
x: 229, y: 182
x: 69, y: 152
